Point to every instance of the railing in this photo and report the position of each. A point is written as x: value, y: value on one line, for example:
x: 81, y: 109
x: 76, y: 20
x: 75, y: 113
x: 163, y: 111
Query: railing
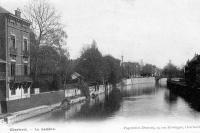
x: 13, y: 51
x: 2, y: 75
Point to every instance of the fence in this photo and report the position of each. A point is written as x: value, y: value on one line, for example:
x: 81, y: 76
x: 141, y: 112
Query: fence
x: 46, y: 98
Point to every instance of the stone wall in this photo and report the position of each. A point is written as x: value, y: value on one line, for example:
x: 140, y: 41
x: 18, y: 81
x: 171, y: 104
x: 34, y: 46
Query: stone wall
x: 72, y: 92
x: 140, y: 80
x: 46, y: 98
x: 35, y: 100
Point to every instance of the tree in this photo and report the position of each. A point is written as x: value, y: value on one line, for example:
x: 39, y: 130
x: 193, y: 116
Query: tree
x: 111, y: 69
x: 48, y: 60
x: 46, y: 28
x: 45, y: 22
x: 90, y: 64
x: 33, y: 53
x: 65, y: 66
x: 170, y: 70
x: 148, y: 70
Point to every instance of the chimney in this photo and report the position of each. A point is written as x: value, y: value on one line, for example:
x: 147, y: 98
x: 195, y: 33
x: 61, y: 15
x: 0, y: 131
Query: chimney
x: 18, y: 13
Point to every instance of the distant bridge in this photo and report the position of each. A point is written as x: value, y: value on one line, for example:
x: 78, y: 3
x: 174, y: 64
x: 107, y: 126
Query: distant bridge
x: 158, y: 77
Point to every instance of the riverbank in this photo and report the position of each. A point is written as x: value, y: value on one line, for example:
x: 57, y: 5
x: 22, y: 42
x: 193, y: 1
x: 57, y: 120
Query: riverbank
x: 66, y: 101
x: 15, y: 117
x: 189, y: 94
x: 180, y: 87
x: 141, y: 80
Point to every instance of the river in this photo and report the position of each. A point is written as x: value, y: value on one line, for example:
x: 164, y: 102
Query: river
x: 145, y: 102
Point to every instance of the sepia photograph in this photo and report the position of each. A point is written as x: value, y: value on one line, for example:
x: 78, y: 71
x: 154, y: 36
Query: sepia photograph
x: 99, y: 66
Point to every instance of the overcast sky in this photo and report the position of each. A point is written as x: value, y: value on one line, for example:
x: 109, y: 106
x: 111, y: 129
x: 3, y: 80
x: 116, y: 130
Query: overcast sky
x: 153, y: 30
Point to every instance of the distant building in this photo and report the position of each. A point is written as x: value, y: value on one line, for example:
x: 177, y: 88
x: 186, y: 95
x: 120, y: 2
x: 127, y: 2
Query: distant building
x: 14, y: 58
x: 131, y: 69
x: 141, y: 64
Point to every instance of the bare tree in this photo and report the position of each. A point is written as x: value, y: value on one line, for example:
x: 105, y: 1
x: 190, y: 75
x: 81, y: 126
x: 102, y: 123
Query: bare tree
x: 45, y: 22
x: 45, y: 26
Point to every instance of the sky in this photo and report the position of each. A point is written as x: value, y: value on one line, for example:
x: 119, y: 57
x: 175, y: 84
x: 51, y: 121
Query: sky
x: 153, y: 30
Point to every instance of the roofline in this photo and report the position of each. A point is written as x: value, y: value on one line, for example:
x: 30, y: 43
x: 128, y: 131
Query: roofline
x: 19, y: 18
x: 4, y: 10
x: 11, y: 14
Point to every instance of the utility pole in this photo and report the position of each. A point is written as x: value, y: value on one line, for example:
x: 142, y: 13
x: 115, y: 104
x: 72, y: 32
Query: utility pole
x: 122, y: 61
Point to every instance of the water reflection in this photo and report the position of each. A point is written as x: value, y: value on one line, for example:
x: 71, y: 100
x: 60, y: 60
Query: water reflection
x: 139, y: 89
x: 190, y: 96
x: 170, y: 98
x: 100, y: 108
x: 194, y: 102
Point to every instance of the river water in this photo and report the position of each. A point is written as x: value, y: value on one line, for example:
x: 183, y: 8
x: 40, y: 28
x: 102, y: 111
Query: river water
x: 145, y: 102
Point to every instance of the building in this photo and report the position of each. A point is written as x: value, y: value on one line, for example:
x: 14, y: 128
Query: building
x: 14, y: 58
x: 131, y: 69
x: 192, y: 71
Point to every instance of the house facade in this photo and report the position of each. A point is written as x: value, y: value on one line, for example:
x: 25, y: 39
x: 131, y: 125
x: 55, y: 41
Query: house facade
x: 14, y: 58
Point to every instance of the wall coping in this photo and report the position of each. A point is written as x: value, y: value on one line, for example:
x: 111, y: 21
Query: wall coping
x: 48, y: 92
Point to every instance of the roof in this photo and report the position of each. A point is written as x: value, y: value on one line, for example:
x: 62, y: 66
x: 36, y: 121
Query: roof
x: 195, y: 58
x: 2, y: 10
x: 75, y: 75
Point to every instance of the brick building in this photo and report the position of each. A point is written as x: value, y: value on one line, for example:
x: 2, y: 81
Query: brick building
x: 14, y: 58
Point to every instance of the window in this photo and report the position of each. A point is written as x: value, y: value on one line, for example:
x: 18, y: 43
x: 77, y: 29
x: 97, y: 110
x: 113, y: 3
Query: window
x: 13, y: 57
x: 25, y: 59
x: 25, y: 69
x: 25, y: 45
x: 12, y: 69
x: 26, y: 85
x: 13, y: 22
x: 12, y: 41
